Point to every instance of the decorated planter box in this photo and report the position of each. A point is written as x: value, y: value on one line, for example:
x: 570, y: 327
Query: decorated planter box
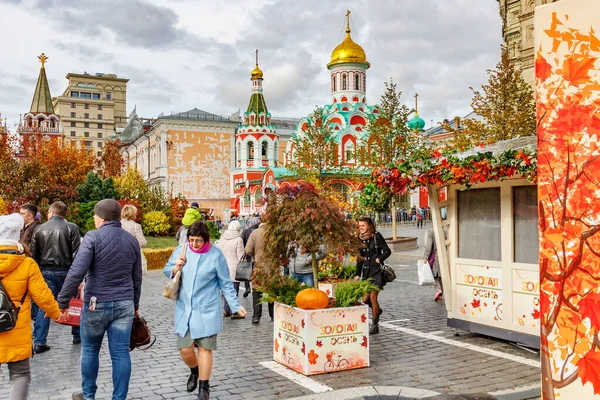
x: 329, y: 288
x: 321, y: 341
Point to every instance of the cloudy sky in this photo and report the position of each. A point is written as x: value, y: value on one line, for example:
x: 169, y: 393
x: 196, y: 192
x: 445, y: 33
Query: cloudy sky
x: 181, y: 54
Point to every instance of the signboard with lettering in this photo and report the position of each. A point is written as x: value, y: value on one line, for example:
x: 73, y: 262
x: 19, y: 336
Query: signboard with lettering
x: 479, y: 293
x: 526, y: 300
x: 321, y: 341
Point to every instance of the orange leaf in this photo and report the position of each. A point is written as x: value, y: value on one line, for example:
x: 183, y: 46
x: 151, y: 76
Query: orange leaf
x: 589, y: 307
x: 577, y: 70
x: 312, y: 357
x: 543, y: 70
x: 589, y: 370
x: 276, y: 346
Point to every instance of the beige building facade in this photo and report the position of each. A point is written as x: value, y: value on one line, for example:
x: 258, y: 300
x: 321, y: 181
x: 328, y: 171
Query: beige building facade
x: 92, y: 108
x: 517, y: 30
x: 190, y: 153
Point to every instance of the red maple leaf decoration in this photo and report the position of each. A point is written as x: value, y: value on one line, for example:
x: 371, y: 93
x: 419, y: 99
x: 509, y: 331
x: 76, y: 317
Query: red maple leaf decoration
x: 589, y: 369
x: 543, y: 70
x: 363, y: 318
x: 303, y: 323
x: 328, y: 292
x: 276, y: 346
x: 312, y: 357
x: 536, y: 314
x: 364, y: 342
x: 319, y: 343
x: 303, y: 348
x: 476, y: 303
x: 589, y: 307
x: 279, y: 334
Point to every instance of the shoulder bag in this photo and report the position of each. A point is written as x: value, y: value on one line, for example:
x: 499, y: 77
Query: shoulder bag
x: 243, y: 271
x: 171, y: 291
x: 388, y: 272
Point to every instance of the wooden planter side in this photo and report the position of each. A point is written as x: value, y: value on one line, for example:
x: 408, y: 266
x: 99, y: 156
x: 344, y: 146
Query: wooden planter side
x: 321, y: 341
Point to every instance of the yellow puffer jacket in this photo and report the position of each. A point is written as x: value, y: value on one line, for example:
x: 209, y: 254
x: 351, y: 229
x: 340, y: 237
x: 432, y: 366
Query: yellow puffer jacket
x: 20, y: 273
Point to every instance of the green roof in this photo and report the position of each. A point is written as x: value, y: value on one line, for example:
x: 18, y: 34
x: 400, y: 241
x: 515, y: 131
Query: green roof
x: 257, y: 104
x: 42, y: 100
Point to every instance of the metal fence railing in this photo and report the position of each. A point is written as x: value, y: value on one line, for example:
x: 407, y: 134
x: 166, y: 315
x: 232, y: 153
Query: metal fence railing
x: 406, y: 218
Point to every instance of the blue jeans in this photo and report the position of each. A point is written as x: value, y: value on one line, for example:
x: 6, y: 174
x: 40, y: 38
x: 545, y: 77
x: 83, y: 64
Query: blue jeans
x: 226, y: 308
x: 55, y: 281
x: 308, y: 279
x: 114, y: 318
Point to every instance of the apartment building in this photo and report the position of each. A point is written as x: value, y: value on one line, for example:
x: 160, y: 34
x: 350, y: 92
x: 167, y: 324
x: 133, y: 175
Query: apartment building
x: 93, y: 108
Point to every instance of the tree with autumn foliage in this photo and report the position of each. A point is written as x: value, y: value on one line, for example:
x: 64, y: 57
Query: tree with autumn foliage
x: 315, y: 152
x: 506, y: 103
x: 390, y: 141
x: 304, y: 216
x: 111, y: 163
x: 567, y: 74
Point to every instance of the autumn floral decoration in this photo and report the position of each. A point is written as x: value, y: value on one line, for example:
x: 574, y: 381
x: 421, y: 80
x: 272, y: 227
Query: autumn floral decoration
x: 439, y: 168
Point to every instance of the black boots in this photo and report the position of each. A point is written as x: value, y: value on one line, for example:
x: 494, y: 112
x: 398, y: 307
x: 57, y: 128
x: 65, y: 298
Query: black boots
x: 375, y: 327
x: 204, y: 392
x: 192, y: 382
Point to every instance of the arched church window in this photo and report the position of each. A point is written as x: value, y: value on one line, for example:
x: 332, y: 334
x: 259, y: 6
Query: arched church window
x: 349, y: 151
x: 247, y: 198
x: 250, y: 150
x: 333, y: 85
x: 343, y: 190
x: 356, y: 81
x: 258, y: 197
x: 263, y: 150
x: 276, y: 152
x: 364, y: 88
x: 344, y: 82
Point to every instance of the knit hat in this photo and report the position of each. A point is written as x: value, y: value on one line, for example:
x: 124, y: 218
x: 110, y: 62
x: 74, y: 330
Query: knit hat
x: 195, y: 204
x: 10, y: 227
x: 108, y: 209
x: 234, y: 226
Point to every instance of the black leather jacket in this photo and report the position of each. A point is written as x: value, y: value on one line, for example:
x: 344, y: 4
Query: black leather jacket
x: 54, y: 245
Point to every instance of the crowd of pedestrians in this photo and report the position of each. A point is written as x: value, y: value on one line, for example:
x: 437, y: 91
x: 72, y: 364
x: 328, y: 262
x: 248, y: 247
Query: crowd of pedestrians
x: 43, y: 266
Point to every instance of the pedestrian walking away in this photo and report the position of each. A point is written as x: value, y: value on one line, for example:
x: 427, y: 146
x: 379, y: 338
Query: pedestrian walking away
x: 128, y: 223
x: 53, y: 247
x: 431, y: 256
x: 109, y: 259
x: 22, y: 281
x: 232, y: 246
x: 253, y: 223
x: 368, y: 266
x: 198, y: 320
x: 255, y: 247
x: 31, y: 226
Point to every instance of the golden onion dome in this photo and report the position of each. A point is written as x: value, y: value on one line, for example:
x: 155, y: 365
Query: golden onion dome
x: 256, y: 72
x: 348, y: 51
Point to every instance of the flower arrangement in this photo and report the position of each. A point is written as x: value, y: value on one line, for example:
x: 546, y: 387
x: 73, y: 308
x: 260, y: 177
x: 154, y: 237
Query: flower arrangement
x: 439, y: 169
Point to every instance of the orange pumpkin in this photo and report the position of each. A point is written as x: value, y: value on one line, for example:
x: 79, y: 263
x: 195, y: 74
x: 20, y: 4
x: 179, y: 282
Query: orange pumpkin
x: 312, y: 299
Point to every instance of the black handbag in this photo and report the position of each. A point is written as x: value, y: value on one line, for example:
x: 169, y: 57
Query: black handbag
x: 243, y: 272
x: 388, y: 273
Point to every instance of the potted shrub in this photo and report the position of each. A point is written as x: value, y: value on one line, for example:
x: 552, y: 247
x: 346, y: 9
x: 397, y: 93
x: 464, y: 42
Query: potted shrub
x: 309, y: 336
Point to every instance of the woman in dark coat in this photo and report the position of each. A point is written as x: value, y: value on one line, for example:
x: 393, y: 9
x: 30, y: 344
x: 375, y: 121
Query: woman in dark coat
x: 374, y: 252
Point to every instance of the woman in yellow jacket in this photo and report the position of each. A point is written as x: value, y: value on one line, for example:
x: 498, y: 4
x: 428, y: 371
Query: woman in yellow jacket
x: 20, y: 274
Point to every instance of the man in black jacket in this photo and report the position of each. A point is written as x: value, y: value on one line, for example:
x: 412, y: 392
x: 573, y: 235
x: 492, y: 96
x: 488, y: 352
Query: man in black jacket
x: 110, y: 260
x: 53, y: 247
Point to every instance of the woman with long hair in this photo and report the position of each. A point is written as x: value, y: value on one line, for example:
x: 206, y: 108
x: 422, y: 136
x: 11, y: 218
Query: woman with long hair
x: 372, y: 255
x: 198, y: 318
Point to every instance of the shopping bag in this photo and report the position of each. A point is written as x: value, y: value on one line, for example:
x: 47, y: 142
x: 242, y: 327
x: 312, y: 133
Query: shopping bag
x: 171, y: 291
x: 425, y: 274
x: 73, y: 317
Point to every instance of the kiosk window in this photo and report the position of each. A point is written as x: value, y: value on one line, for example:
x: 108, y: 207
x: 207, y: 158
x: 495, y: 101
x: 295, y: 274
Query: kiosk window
x: 525, y: 223
x: 479, y: 224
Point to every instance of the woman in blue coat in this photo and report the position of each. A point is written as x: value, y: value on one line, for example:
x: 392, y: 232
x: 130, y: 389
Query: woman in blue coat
x: 198, y: 317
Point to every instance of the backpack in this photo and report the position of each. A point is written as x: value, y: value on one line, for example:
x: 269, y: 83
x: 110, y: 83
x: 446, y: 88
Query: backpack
x: 8, y: 311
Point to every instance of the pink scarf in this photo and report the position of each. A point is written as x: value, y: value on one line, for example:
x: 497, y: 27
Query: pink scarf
x: 204, y: 249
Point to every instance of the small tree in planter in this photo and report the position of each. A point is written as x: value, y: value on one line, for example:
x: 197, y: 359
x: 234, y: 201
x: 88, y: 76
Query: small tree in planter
x: 310, y: 338
x: 302, y: 215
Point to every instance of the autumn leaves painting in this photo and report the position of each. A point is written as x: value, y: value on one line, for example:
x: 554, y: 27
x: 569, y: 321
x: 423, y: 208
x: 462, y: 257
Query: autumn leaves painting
x: 568, y: 109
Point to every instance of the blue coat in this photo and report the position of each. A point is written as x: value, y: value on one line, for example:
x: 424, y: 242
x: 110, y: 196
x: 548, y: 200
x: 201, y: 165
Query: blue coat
x: 203, y: 278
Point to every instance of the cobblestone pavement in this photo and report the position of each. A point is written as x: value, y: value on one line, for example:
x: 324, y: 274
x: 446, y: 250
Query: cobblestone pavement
x: 398, y: 358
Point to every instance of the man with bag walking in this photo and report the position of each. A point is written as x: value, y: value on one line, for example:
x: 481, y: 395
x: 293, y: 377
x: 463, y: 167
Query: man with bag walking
x: 255, y: 247
x: 110, y: 260
x: 53, y: 247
